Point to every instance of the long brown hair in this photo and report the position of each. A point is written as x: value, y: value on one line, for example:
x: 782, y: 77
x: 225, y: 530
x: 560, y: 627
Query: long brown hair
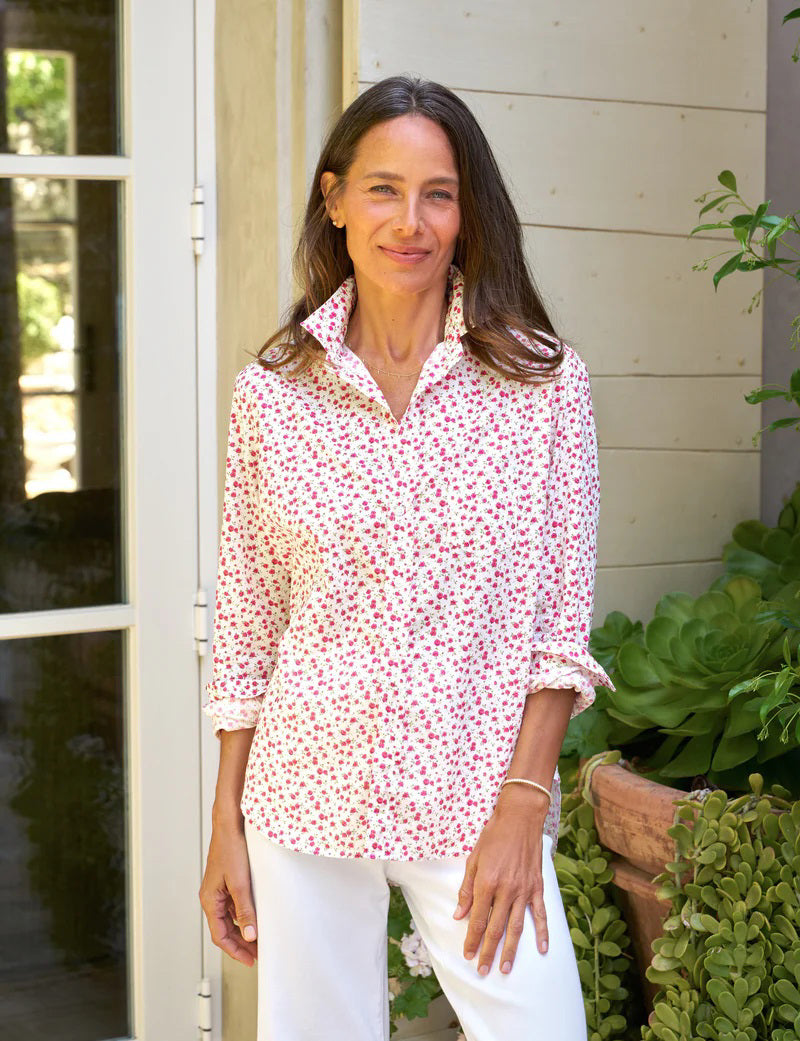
x: 499, y: 290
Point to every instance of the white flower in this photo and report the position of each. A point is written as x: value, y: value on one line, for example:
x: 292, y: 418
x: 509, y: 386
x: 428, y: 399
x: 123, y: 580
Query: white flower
x: 416, y: 953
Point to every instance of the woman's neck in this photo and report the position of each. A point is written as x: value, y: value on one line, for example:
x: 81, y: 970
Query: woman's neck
x: 396, y: 330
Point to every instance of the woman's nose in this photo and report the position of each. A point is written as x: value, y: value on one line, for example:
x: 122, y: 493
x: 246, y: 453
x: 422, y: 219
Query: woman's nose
x: 409, y: 216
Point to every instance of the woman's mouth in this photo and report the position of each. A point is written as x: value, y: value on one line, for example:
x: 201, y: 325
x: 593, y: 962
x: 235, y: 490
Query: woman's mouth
x: 410, y: 256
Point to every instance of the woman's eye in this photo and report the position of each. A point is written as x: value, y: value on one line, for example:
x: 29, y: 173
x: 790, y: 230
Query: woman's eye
x: 378, y: 188
x: 442, y: 194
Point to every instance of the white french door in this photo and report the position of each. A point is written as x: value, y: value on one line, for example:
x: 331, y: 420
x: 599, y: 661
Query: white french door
x: 100, y: 447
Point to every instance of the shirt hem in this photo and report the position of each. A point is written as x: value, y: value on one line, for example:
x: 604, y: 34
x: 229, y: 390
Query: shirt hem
x: 312, y: 846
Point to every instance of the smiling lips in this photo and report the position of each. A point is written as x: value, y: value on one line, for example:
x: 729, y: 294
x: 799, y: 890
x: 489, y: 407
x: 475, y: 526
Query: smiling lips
x: 406, y: 256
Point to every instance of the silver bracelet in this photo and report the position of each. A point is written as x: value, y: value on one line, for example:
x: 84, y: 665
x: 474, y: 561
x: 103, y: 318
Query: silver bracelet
x: 524, y: 780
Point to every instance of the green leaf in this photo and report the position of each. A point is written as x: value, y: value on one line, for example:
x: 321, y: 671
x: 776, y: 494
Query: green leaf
x: 667, y: 1015
x: 579, y: 939
x: 729, y: 266
x: 709, y: 227
x: 788, y: 992
x: 794, y: 385
x: 694, y: 757
x: 715, y: 202
x: 753, y: 397
x: 731, y: 751
x: 727, y: 180
x: 634, y: 665
x: 600, y: 919
x: 776, y: 697
x: 788, y: 422
x: 792, y: 14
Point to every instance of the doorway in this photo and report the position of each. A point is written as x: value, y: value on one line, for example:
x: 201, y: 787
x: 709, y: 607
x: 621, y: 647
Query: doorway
x: 99, y: 729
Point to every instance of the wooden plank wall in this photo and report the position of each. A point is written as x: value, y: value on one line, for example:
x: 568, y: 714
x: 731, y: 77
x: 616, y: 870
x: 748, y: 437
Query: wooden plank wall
x: 608, y: 121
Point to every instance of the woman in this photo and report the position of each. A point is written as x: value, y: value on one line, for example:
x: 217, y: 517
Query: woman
x: 404, y: 599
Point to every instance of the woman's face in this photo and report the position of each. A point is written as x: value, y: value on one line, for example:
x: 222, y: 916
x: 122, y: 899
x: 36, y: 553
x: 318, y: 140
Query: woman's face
x: 399, y: 205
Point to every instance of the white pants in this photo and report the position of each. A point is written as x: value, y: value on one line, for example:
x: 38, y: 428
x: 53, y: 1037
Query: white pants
x: 322, y: 972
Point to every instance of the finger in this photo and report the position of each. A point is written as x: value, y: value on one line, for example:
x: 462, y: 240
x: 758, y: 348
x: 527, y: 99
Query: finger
x: 465, y: 892
x: 498, y: 919
x: 478, y: 921
x: 227, y: 937
x: 245, y: 914
x: 516, y: 923
x: 537, y: 907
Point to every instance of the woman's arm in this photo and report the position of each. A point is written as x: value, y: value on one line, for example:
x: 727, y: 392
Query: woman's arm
x: 541, y: 734
x: 251, y: 609
x: 234, y: 748
x: 226, y: 894
x: 503, y: 874
x: 251, y: 614
x: 509, y: 849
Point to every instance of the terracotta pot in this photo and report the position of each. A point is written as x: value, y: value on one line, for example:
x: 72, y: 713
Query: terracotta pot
x: 632, y: 816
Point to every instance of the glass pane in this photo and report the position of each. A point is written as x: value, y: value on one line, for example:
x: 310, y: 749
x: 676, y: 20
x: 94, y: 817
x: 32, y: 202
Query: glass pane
x: 58, y: 91
x: 63, y: 828
x: 60, y: 437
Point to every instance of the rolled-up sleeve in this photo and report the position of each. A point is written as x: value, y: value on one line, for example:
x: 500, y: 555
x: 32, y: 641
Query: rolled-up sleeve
x: 565, y: 589
x: 251, y: 609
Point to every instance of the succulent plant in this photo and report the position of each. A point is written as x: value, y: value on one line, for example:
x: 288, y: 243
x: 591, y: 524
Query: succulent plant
x: 598, y: 930
x: 728, y: 964
x: 771, y: 556
x: 674, y: 675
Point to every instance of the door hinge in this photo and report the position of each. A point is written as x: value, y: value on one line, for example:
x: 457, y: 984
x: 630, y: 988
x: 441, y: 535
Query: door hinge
x: 198, y: 221
x: 201, y: 622
x: 204, y: 1018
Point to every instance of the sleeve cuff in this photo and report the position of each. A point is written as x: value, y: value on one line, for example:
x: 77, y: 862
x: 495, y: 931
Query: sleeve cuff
x: 233, y: 713
x: 568, y: 669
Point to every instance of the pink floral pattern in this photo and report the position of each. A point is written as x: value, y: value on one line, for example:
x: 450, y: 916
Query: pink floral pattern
x: 389, y: 591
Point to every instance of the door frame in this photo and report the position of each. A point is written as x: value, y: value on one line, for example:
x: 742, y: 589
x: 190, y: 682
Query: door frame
x: 159, y: 454
x: 208, y: 458
x: 161, y: 322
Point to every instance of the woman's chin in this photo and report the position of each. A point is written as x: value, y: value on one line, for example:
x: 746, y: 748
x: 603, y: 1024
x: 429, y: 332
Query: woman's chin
x: 400, y: 278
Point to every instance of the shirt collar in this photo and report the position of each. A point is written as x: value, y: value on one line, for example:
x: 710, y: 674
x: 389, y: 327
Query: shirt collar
x: 328, y: 324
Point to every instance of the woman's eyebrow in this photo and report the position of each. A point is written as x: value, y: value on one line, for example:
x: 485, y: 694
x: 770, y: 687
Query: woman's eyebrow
x: 385, y: 175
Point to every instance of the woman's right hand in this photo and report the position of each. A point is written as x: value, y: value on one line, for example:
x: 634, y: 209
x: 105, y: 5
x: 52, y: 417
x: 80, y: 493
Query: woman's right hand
x: 226, y: 895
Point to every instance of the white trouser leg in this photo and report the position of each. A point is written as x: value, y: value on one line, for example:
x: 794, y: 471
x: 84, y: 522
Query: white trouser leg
x: 539, y: 1000
x: 322, y: 972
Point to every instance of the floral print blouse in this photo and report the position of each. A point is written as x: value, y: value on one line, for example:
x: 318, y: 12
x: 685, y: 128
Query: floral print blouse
x: 389, y: 591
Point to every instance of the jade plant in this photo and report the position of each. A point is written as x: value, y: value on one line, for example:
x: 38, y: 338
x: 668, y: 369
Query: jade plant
x: 599, y: 933
x: 728, y: 963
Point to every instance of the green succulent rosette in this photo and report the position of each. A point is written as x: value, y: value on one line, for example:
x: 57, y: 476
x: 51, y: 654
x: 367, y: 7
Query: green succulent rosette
x: 674, y: 679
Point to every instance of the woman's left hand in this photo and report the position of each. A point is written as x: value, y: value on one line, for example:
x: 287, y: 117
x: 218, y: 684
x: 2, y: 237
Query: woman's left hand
x: 503, y: 876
